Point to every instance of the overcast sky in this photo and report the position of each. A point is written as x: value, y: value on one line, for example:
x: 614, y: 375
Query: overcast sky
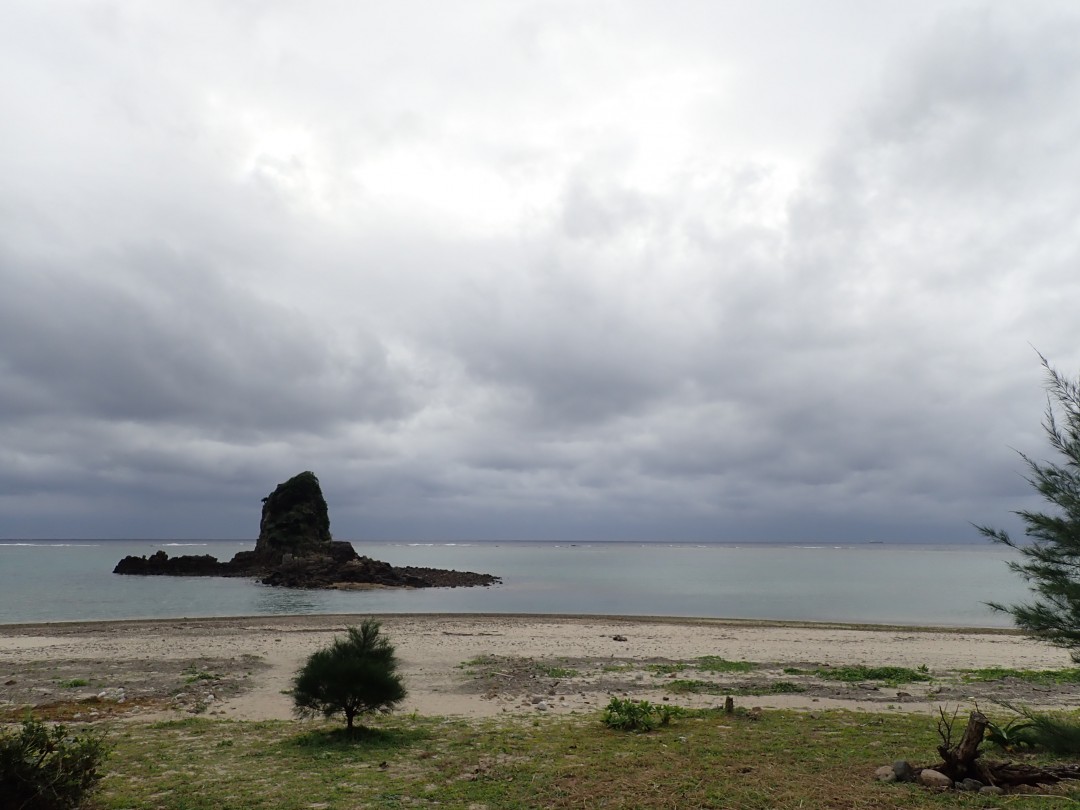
x: 689, y: 271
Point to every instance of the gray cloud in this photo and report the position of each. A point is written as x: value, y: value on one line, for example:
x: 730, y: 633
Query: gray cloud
x: 533, y: 272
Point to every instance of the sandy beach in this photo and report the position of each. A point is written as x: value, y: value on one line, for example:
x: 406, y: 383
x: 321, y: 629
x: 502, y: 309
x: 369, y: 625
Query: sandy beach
x: 485, y: 665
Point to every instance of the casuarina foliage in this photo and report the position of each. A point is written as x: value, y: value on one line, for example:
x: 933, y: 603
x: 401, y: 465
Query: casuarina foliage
x: 1051, y: 562
x: 355, y: 675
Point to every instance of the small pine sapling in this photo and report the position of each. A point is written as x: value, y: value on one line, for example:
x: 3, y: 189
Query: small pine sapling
x: 354, y: 676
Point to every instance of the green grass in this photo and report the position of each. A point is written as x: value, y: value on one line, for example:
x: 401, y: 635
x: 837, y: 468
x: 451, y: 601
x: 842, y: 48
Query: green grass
x: 617, y: 667
x: 714, y: 663
x: 856, y: 674
x: 1039, y: 676
x: 551, y: 671
x: 478, y: 661
x: 193, y: 674
x: 690, y: 686
x: 666, y: 669
x: 73, y: 683
x: 703, y: 759
x: 706, y: 663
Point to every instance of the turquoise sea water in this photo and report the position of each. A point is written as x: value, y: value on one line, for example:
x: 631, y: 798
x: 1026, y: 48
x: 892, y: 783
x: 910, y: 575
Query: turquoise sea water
x: 938, y: 585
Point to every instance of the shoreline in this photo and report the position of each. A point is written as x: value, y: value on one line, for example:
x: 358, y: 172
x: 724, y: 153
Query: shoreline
x: 606, y: 617
x: 484, y: 665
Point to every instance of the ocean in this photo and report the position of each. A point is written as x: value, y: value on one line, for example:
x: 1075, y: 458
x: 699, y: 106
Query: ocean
x: 70, y: 580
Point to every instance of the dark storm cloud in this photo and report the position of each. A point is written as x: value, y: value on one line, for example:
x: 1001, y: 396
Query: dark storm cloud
x: 153, y: 336
x: 565, y: 276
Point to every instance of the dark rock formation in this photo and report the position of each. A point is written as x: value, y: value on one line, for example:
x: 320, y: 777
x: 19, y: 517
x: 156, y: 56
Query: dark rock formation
x: 294, y: 521
x: 202, y: 565
x: 295, y: 550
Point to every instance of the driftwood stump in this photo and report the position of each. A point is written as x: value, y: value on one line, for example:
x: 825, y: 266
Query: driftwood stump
x: 958, y: 762
x: 962, y: 761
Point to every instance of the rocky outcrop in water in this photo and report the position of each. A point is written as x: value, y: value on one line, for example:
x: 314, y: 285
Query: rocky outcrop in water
x: 295, y: 550
x: 202, y: 565
x: 295, y: 521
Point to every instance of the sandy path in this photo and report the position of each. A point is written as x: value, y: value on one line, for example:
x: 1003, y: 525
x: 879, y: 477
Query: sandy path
x: 433, y: 648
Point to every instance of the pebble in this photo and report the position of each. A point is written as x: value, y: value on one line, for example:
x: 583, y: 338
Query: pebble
x: 885, y: 774
x: 903, y: 770
x: 932, y: 778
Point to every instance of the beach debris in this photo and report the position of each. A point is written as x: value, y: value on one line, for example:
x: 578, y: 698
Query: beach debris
x: 618, y: 638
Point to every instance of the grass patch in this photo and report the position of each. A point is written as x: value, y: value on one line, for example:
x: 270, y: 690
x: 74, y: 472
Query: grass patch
x: 714, y: 663
x: 1038, y: 676
x: 704, y: 760
x: 706, y: 663
x: 696, y: 687
x: 552, y: 671
x: 478, y: 661
x: 193, y: 674
x: 856, y: 674
x: 73, y: 683
x: 666, y: 669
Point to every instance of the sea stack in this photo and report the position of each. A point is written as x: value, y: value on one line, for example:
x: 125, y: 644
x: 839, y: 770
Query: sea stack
x: 295, y: 521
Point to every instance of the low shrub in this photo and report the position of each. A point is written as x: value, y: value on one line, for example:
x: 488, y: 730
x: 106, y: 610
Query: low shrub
x: 636, y: 715
x: 1055, y: 732
x: 43, y: 768
x: 1010, y: 736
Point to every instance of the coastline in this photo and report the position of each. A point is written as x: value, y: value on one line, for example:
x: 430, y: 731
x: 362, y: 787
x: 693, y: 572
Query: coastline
x: 481, y: 665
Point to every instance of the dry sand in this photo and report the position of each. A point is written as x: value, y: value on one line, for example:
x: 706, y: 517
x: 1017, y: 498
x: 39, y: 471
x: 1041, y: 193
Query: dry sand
x: 241, y: 667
